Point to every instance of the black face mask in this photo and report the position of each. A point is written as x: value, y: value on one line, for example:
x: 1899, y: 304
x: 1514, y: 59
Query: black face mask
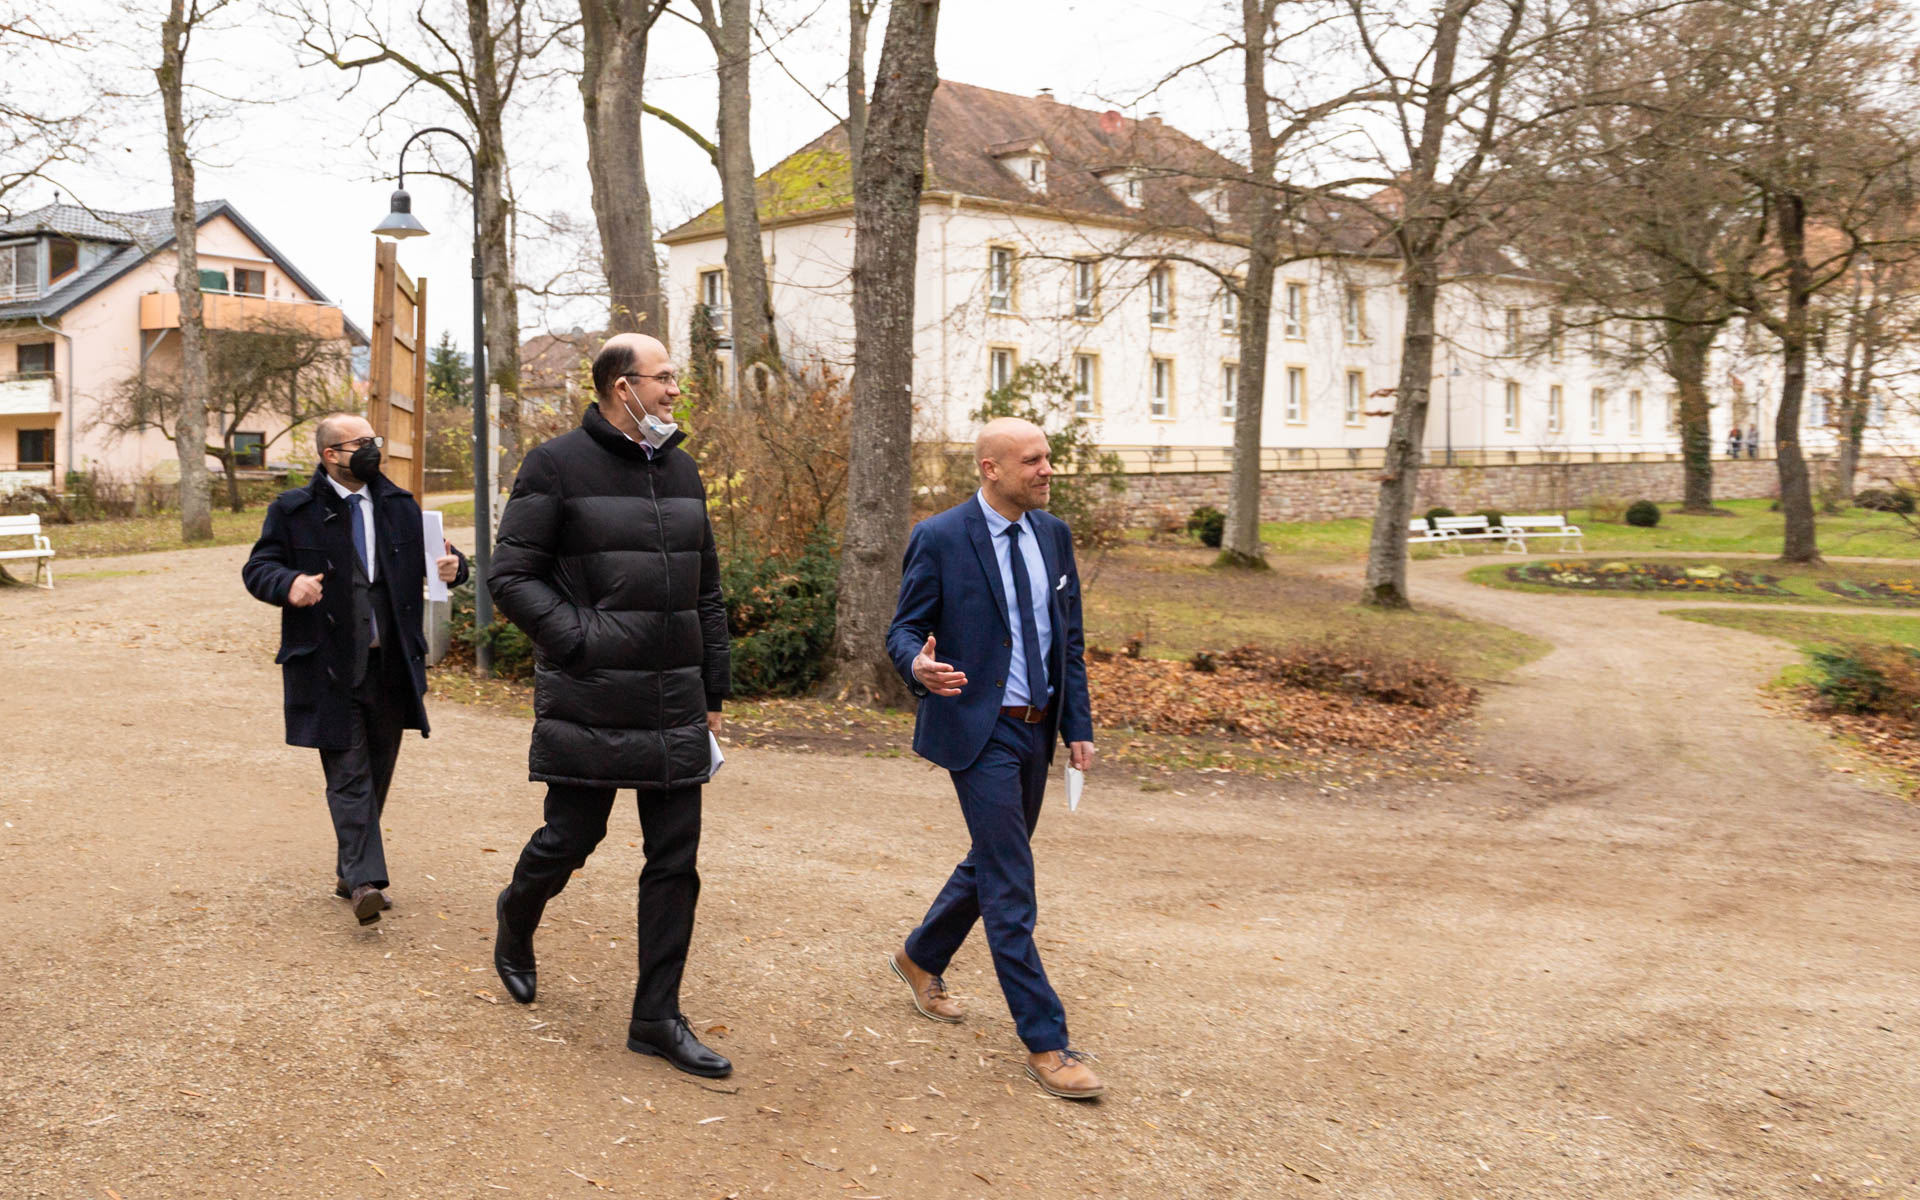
x: 365, y: 463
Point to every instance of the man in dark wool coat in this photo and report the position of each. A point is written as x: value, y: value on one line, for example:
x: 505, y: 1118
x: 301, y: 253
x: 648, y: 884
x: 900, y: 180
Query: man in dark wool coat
x: 342, y: 559
x: 606, y: 561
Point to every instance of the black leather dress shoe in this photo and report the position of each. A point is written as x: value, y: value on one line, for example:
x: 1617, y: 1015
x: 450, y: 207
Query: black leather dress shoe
x: 512, y: 956
x: 672, y: 1040
x: 340, y: 890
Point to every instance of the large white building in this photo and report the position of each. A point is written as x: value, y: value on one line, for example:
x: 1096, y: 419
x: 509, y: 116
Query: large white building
x: 1060, y: 234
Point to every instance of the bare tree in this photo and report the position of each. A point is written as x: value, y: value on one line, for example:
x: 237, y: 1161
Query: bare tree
x: 728, y: 25
x: 886, y: 216
x: 190, y: 421
x: 1877, y: 336
x: 276, y: 373
x: 36, y: 134
x: 476, y: 67
x: 859, y: 17
x: 614, y: 36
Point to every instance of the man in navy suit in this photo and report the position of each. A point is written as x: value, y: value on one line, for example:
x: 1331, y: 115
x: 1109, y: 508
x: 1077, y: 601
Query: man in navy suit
x: 987, y: 633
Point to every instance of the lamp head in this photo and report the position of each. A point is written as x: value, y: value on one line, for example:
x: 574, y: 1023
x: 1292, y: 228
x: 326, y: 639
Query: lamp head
x: 400, y: 221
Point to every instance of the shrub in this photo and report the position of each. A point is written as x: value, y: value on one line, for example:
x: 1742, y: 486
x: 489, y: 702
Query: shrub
x: 512, y: 649
x: 1208, y: 524
x: 780, y: 613
x: 1644, y: 513
x: 1887, y: 500
x: 1883, y: 680
x: 1606, y: 508
x: 1495, y: 518
x: 1434, y: 514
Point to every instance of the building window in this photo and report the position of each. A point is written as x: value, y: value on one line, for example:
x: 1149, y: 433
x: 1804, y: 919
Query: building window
x: 35, y: 447
x: 213, y: 281
x: 1556, y: 409
x: 1510, y: 408
x: 1816, y: 408
x: 1161, y: 403
x: 1229, y: 390
x: 1354, y: 409
x: 1086, y: 384
x: 1086, y: 287
x: 1877, y: 410
x: 1597, y: 342
x: 1035, y: 171
x: 713, y: 298
x: 1633, y: 411
x: 1513, y: 331
x: 63, y: 258
x: 999, y: 367
x: 19, y: 271
x: 249, y: 283
x: 1296, y: 395
x: 1633, y: 336
x: 1673, y: 412
x: 999, y: 279
x: 249, y: 449
x: 1130, y: 191
x: 1556, y: 337
x: 1229, y: 309
x: 34, y: 358
x: 1355, y: 316
x: 1160, y: 296
x: 1597, y: 412
x: 1293, y: 310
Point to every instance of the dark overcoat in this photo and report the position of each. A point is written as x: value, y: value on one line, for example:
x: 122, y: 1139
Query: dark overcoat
x: 307, y: 532
x: 606, y: 561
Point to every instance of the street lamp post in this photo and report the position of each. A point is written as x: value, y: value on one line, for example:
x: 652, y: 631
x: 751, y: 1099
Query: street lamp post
x: 401, y: 223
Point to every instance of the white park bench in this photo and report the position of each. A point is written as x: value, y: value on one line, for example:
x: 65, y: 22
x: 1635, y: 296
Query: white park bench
x: 1419, y: 532
x: 1467, y: 529
x: 1518, y: 529
x: 41, y: 550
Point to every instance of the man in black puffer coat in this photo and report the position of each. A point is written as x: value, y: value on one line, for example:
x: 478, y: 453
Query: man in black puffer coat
x: 606, y: 561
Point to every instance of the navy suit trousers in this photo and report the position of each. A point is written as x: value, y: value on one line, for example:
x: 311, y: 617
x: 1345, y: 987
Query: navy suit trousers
x: 1000, y: 797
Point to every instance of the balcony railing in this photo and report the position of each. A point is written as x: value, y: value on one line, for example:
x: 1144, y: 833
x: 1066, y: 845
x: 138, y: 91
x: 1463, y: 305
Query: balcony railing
x: 161, y: 310
x: 29, y: 393
x: 19, y: 290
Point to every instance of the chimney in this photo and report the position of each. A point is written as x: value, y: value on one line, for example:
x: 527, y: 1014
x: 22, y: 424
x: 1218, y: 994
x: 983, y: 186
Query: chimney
x: 1045, y: 94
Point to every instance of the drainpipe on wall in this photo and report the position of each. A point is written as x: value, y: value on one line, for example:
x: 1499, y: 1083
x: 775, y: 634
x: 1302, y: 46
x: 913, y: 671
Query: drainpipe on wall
x: 68, y: 338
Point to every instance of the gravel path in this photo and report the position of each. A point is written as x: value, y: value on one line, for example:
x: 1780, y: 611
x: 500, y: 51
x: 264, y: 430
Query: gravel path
x: 1651, y: 944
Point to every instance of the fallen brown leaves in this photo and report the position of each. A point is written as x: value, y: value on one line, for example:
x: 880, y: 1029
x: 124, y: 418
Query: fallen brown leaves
x: 1312, y: 695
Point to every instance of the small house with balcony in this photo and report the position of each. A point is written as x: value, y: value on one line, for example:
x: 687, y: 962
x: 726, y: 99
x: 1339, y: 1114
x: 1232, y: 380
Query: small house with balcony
x: 87, y: 302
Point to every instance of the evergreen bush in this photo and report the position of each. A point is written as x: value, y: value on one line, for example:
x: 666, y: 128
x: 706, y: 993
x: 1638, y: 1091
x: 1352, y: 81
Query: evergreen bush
x: 1644, y: 513
x: 1208, y: 524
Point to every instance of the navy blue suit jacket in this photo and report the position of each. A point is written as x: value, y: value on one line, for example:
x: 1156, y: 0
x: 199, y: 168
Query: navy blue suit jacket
x: 950, y: 587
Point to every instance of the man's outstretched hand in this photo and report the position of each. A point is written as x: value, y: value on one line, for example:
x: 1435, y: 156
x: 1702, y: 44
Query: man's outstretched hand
x: 938, y: 677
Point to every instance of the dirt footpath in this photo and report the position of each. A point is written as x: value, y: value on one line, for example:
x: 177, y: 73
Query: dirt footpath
x: 1660, y: 947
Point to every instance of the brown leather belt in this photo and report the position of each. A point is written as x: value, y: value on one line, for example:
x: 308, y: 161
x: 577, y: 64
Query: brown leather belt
x: 1027, y: 712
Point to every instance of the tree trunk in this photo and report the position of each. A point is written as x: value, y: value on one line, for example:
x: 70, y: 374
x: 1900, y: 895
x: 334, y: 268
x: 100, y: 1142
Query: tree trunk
x: 1687, y: 348
x: 751, y: 322
x: 190, y: 428
x: 501, y: 301
x: 614, y: 46
x: 886, y: 217
x: 1241, y: 545
x: 1386, y: 585
x: 231, y: 470
x: 1796, y: 495
x: 859, y: 16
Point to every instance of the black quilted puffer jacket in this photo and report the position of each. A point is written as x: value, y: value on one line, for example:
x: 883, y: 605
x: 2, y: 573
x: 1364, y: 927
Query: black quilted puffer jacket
x: 605, y: 559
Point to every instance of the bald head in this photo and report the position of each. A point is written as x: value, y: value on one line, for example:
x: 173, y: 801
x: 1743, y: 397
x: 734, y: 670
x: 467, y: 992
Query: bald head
x: 626, y: 353
x: 1014, y: 468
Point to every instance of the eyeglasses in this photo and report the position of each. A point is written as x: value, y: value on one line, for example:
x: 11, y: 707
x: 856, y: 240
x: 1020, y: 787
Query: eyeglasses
x: 375, y: 441
x: 666, y: 378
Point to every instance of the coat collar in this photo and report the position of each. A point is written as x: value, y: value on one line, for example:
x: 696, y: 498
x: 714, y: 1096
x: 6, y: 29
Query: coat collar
x: 380, y: 489
x: 613, y: 441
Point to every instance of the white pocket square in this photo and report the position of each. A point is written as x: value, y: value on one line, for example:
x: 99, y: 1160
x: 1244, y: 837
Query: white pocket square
x: 1061, y: 584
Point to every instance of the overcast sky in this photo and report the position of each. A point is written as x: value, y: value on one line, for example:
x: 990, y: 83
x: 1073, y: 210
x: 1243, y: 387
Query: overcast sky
x: 298, y: 157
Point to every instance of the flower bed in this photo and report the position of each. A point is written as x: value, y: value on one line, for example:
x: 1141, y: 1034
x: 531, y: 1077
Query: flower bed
x: 1898, y: 593
x: 1647, y: 577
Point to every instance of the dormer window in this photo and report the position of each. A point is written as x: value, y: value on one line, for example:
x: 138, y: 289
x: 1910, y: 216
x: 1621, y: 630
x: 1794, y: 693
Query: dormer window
x: 63, y: 258
x: 1027, y: 160
x: 1125, y: 184
x: 20, y: 271
x: 1213, y: 202
x: 1034, y: 170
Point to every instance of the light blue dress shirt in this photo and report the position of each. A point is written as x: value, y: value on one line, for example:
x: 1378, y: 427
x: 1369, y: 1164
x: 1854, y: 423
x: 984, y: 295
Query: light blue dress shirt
x: 1042, y: 596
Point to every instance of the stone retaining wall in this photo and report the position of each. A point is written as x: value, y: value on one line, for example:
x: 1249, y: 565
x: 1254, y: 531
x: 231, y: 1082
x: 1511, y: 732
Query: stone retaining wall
x: 1326, y: 495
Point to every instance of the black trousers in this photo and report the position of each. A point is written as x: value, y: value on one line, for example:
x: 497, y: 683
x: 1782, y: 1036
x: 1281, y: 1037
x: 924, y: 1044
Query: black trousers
x: 357, y: 777
x: 669, y: 883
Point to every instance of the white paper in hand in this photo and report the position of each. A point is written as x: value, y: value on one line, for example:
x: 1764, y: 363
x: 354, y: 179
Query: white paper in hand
x: 715, y: 759
x: 1076, y: 780
x: 435, y: 540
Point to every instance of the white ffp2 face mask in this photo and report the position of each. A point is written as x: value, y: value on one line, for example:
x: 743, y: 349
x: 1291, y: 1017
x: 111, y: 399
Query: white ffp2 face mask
x: 653, y: 430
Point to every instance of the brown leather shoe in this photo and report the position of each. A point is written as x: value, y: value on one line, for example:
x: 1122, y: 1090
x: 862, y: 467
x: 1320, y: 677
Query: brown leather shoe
x: 1064, y: 1073
x: 929, y: 990
x: 340, y: 890
x: 366, y: 901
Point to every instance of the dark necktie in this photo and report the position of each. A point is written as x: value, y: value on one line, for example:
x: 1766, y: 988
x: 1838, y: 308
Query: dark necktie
x: 366, y: 564
x: 1029, y: 635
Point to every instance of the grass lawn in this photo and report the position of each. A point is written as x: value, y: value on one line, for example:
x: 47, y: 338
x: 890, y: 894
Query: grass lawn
x: 1807, y: 630
x: 134, y: 535
x: 1176, y: 602
x: 1752, y: 529
x: 1802, y: 583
